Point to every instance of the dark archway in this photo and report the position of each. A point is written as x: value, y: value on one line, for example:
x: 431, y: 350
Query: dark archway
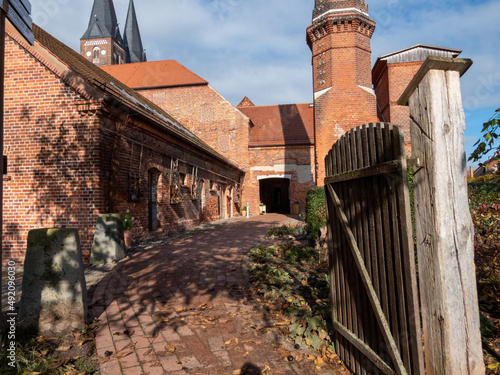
x: 275, y: 194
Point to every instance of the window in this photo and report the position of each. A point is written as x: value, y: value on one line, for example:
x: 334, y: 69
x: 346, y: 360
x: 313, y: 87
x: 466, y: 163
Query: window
x: 97, y: 53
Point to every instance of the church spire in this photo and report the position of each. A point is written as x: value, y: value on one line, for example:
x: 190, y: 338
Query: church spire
x: 102, y: 43
x: 103, y: 22
x: 132, y: 37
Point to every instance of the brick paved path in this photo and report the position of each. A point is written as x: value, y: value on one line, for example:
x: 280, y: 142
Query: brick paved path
x: 179, y: 308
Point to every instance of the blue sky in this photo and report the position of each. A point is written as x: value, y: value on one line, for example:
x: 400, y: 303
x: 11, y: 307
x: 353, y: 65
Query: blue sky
x: 257, y: 48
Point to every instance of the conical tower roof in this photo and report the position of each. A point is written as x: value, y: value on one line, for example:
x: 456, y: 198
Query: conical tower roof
x: 103, y: 22
x: 132, y: 37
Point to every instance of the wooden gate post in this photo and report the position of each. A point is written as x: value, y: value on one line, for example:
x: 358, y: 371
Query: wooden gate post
x: 445, y: 235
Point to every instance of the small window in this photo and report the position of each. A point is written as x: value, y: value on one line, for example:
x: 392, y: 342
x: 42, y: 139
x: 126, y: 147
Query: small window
x: 97, y: 53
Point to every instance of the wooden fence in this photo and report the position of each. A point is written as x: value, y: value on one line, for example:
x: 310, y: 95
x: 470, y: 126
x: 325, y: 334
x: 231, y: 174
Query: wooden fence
x: 372, y: 262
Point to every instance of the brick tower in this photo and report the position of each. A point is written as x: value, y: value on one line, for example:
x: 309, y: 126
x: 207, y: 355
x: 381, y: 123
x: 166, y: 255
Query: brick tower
x: 339, y: 38
x: 102, y: 43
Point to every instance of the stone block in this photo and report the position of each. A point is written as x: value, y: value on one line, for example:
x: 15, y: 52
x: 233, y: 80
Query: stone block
x: 109, y: 245
x: 54, y: 294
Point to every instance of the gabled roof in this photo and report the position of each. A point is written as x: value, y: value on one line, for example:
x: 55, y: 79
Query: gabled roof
x: 281, y: 125
x: 113, y: 91
x: 154, y: 74
x: 132, y: 37
x: 245, y: 102
x: 418, y: 52
x: 103, y: 22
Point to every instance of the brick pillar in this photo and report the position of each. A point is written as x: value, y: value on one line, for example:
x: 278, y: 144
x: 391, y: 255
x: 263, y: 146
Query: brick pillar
x: 339, y: 38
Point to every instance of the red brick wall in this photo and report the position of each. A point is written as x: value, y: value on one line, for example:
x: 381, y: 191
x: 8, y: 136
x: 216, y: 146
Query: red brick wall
x: 133, y: 150
x: 296, y: 161
x: 208, y: 115
x: 212, y: 118
x: 112, y: 48
x: 65, y: 168
x: 53, y: 177
x: 389, y: 87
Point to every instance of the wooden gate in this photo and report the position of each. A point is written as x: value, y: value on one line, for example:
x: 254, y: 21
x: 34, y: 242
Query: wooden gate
x: 372, y: 263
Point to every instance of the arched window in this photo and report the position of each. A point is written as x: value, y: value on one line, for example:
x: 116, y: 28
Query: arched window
x: 97, y: 53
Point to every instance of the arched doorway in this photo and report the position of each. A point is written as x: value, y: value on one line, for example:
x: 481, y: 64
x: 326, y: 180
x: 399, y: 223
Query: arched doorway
x: 275, y: 194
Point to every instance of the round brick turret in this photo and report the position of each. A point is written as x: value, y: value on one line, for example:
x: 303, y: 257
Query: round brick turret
x: 339, y: 38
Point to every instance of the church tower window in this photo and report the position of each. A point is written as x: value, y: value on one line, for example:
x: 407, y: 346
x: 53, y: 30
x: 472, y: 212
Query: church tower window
x: 97, y: 55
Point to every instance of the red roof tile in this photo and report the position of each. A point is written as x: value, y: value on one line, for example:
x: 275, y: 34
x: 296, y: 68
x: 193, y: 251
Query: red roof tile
x: 154, y: 74
x: 277, y: 125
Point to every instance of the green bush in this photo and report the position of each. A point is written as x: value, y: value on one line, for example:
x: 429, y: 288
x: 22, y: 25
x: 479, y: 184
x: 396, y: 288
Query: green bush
x: 281, y: 231
x: 315, y: 214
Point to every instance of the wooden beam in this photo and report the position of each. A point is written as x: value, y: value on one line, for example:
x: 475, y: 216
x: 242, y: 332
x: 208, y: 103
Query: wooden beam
x: 363, y: 348
x: 18, y: 13
x: 445, y: 235
x: 389, y: 167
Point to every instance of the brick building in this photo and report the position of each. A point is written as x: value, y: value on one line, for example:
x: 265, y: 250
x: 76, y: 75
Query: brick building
x: 105, y: 131
x: 191, y: 100
x: 85, y: 144
x: 393, y: 72
x: 281, y: 151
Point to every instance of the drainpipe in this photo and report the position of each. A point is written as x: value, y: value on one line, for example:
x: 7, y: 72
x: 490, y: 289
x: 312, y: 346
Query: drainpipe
x: 248, y: 210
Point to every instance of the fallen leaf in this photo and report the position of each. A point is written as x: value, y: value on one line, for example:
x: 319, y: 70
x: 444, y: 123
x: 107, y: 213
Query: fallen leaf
x: 84, y: 341
x: 104, y: 360
x: 318, y: 361
x: 170, y: 348
x: 181, y: 309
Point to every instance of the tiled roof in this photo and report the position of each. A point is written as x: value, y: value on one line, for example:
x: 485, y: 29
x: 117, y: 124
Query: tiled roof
x: 115, y: 90
x: 489, y: 167
x: 154, y: 74
x: 277, y: 125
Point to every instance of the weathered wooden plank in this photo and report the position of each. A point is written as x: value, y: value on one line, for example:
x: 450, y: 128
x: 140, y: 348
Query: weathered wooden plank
x: 363, y: 348
x: 19, y: 16
x: 350, y: 200
x: 343, y: 292
x: 350, y: 301
x: 444, y: 230
x: 378, y: 257
x: 394, y: 250
x: 374, y: 301
x: 389, y: 167
x: 410, y: 275
x: 355, y: 149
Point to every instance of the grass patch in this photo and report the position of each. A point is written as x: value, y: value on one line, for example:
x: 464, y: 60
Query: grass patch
x: 74, y: 353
